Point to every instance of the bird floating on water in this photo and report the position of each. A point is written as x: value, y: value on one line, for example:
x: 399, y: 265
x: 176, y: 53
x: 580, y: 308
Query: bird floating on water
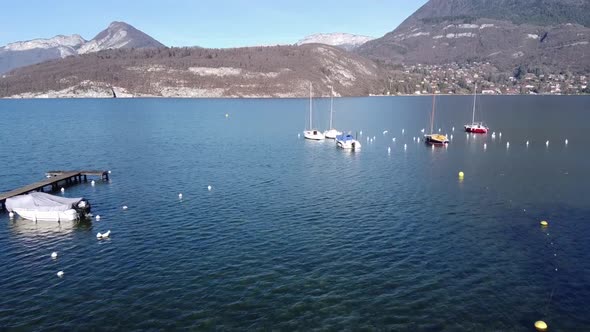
x: 54, y: 255
x: 97, y: 217
x: 124, y: 207
x: 100, y: 236
x: 60, y: 274
x: 422, y: 130
x: 453, y: 129
x: 11, y: 214
x: 62, y: 189
x: 527, y: 143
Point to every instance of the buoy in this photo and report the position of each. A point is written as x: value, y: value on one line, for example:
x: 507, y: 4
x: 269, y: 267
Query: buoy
x: 11, y: 214
x: 500, y: 134
x: 92, y: 183
x: 226, y: 115
x: 54, y: 255
x: 451, y: 137
x: 507, y: 145
x: 439, y: 130
x: 209, y: 187
x: 389, y: 150
x: 547, y: 143
x: 403, y: 130
x: 461, y: 175
x: 527, y: 143
x: 374, y: 137
x: 97, y: 217
x: 485, y: 146
x: 180, y: 196
x: 418, y: 140
x: 414, y: 138
x: 124, y: 207
x: 541, y: 325
x: 109, y: 172
x: 566, y: 141
x: 544, y: 223
x: 405, y: 146
x: 298, y: 135
x: 60, y: 274
x: 422, y: 130
x: 62, y: 189
x: 371, y: 140
x: 393, y: 139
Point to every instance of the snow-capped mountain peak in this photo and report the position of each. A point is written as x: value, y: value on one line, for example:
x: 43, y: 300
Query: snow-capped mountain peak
x: 343, y: 40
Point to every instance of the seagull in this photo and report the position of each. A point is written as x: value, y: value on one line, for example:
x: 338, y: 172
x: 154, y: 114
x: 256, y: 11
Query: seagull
x: 97, y: 217
x: 60, y: 274
x: 54, y: 255
x: 100, y: 236
x: 62, y: 189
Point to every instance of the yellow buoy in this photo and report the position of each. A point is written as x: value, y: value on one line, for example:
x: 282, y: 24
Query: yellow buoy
x: 541, y: 325
x: 544, y: 223
x: 461, y: 174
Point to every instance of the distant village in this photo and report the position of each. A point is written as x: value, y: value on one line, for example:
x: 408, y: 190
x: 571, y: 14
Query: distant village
x: 460, y: 79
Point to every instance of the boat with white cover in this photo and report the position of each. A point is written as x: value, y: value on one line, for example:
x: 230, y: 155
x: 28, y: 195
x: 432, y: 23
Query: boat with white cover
x: 40, y: 206
x: 347, y: 142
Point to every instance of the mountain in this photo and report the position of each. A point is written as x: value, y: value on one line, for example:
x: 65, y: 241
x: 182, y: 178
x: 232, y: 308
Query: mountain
x: 345, y: 41
x: 546, y: 34
x: 117, y: 35
x: 276, y: 71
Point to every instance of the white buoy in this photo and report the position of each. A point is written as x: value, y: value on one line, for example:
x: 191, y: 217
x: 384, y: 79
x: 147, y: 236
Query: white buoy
x: 209, y: 187
x: 507, y: 145
x: 11, y: 214
x: 180, y: 196
x: 453, y: 129
x: 566, y: 141
x: 385, y: 132
x: 226, y: 115
x: 485, y: 146
x: 368, y: 139
x: 418, y: 140
x: 60, y: 274
x: 547, y: 143
x: 97, y: 217
x: 298, y: 135
x: 62, y: 189
x: 361, y: 133
x: 451, y: 137
x: 389, y: 150
x: 422, y: 130
x: 371, y: 140
x: 54, y: 255
x: 414, y: 138
x: 374, y: 137
x: 92, y: 183
x: 403, y: 131
x: 124, y: 207
x: 109, y: 172
x: 393, y: 139
x: 527, y: 143
x: 500, y: 134
x: 405, y: 146
x: 439, y: 130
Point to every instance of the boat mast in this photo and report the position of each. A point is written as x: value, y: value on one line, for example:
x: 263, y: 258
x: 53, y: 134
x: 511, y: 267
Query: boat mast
x: 310, y: 108
x: 331, y: 106
x: 432, y: 114
x: 474, y: 97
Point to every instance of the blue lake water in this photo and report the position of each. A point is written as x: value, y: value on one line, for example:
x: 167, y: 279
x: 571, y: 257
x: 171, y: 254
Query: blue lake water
x: 298, y: 235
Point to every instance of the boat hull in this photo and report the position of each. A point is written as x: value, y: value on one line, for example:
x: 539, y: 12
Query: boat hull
x: 315, y: 135
x: 35, y: 215
x: 476, y: 129
x: 436, y: 139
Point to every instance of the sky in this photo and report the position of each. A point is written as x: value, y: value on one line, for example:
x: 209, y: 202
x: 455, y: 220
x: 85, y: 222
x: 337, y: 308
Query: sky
x: 205, y: 23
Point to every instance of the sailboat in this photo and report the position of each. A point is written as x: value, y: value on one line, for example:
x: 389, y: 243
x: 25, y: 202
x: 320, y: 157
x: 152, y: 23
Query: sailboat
x: 312, y: 134
x: 332, y: 133
x: 475, y: 127
x: 432, y: 138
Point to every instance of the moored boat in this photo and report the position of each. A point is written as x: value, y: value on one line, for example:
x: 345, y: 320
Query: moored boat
x: 475, y: 127
x: 39, y: 206
x: 432, y: 138
x: 347, y: 142
x: 312, y: 134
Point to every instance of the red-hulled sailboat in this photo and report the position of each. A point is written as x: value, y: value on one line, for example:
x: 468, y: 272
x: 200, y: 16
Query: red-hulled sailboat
x: 475, y: 127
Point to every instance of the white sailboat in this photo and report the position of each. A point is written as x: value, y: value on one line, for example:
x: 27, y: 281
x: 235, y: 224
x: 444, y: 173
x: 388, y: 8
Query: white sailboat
x: 332, y: 133
x: 312, y: 134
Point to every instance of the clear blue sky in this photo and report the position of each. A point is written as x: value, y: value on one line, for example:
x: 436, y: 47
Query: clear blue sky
x: 207, y: 23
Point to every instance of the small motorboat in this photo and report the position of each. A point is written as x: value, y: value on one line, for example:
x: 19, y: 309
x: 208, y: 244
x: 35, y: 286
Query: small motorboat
x: 347, y: 142
x: 39, y: 206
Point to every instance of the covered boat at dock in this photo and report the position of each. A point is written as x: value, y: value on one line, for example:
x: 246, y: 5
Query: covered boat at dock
x: 40, y: 206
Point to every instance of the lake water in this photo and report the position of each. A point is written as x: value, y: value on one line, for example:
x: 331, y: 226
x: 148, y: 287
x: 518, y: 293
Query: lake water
x: 298, y: 235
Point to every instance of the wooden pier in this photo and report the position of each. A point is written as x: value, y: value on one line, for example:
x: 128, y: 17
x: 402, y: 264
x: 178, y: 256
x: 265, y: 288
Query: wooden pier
x: 53, y: 180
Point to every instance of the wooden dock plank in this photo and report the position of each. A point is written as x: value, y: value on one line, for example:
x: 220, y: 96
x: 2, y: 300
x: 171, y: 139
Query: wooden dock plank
x: 38, y: 185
